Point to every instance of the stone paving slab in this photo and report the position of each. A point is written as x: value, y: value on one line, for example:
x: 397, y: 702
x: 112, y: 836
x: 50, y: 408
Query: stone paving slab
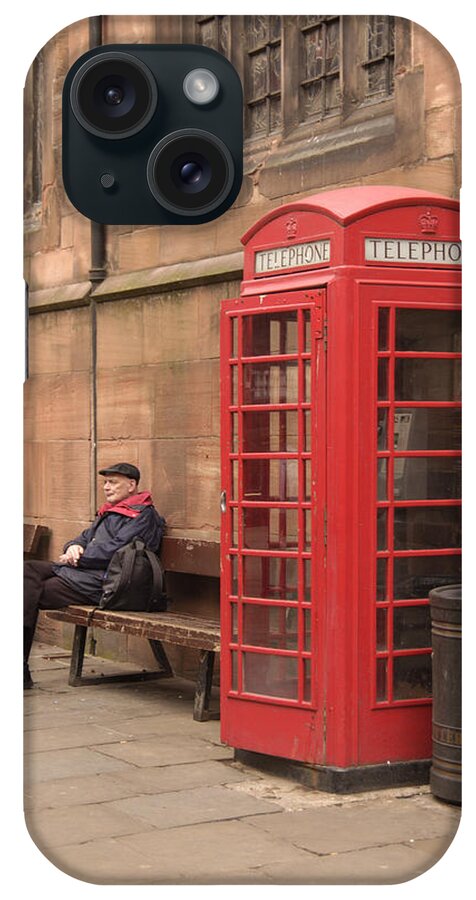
x: 61, y: 738
x: 391, y: 864
x: 76, y: 790
x: 150, y: 726
x: 130, y: 782
x: 213, y: 853
x: 57, y: 716
x: 77, y: 761
x: 181, y: 778
x: 339, y: 829
x: 200, y: 804
x: 165, y: 751
x: 105, y: 861
x: 55, y: 827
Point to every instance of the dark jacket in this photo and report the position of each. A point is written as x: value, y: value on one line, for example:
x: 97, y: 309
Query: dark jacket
x: 108, y: 533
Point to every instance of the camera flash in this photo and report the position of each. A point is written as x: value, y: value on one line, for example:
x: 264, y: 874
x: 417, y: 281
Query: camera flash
x: 201, y: 86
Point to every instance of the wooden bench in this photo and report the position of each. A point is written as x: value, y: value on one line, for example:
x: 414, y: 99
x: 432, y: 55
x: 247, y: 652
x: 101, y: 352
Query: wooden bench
x: 32, y: 536
x: 175, y: 628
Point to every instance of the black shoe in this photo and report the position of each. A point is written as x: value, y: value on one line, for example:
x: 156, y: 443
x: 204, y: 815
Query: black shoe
x: 28, y: 682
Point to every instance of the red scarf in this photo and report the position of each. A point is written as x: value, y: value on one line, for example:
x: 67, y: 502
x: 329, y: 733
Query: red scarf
x: 126, y: 507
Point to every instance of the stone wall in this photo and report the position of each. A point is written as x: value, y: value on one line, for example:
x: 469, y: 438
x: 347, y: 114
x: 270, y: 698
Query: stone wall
x: 127, y: 367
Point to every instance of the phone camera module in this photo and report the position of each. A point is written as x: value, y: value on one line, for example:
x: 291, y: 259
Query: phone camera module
x: 190, y: 172
x: 201, y: 86
x: 152, y: 134
x: 113, y: 95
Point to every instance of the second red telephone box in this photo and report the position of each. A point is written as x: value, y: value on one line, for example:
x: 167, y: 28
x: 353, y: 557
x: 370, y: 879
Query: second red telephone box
x: 341, y: 481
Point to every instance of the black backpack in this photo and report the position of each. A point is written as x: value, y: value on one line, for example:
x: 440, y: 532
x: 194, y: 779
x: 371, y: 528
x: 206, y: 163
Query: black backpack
x: 134, y: 580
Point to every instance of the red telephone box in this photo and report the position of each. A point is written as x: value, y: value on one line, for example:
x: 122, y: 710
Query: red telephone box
x: 340, y: 367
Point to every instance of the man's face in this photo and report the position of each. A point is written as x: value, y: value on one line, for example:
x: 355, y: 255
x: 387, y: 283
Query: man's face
x: 118, y: 487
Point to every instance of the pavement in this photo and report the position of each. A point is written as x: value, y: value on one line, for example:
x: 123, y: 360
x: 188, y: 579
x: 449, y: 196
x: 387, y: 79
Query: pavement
x: 122, y: 787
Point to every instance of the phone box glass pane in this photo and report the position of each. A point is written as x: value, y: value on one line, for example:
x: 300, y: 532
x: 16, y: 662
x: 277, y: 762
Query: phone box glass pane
x: 415, y: 576
x: 275, y: 627
x: 412, y: 677
x: 273, y: 578
x: 273, y: 676
x: 428, y: 330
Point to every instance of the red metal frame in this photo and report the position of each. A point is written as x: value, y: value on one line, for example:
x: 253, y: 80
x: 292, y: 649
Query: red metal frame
x: 409, y: 715
x: 298, y: 600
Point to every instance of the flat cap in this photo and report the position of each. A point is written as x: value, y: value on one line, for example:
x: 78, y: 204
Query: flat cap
x: 126, y: 469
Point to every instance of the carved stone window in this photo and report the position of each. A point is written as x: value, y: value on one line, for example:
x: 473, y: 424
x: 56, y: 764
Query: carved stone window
x: 214, y: 32
x: 263, y: 75
x: 311, y: 71
x: 319, y: 66
x: 380, y: 61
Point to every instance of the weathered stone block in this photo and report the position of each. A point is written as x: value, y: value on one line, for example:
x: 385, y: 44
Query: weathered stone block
x: 185, y: 394
x: 186, y: 242
x: 440, y: 132
x: 170, y: 327
x: 56, y: 483
x: 409, y: 117
x: 120, y: 334
x: 60, y: 342
x: 51, y: 268
x: 436, y: 176
x: 125, y: 399
x: 129, y: 29
x: 57, y: 407
x: 442, y: 82
x: 138, y: 249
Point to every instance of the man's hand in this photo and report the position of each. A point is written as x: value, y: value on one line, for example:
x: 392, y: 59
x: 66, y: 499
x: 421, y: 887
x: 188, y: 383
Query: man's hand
x: 72, y: 555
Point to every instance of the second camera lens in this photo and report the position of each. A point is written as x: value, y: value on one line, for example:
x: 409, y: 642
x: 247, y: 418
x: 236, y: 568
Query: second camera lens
x: 190, y: 172
x: 113, y: 95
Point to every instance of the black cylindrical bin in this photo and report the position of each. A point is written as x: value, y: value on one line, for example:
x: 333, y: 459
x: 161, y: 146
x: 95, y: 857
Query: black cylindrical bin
x: 445, y: 773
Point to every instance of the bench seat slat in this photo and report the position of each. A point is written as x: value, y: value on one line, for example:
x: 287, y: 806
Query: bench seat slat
x: 176, y: 628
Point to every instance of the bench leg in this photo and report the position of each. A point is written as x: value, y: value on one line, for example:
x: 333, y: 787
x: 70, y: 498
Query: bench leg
x: 77, y: 660
x: 77, y: 657
x: 162, y: 658
x: 201, y: 711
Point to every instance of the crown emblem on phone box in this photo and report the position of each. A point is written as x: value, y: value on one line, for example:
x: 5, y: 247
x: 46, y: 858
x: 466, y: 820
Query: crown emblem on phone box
x: 428, y: 222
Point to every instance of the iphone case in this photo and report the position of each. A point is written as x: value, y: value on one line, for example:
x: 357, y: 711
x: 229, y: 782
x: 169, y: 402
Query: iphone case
x: 286, y: 378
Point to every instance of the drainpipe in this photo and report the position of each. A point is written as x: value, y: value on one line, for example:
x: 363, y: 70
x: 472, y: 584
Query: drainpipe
x: 97, y: 273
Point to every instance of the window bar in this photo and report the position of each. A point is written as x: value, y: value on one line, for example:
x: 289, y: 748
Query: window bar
x: 239, y: 508
x: 391, y: 496
x: 282, y: 536
x: 301, y: 514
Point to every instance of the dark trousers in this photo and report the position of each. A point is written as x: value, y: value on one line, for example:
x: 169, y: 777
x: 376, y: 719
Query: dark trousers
x: 42, y: 589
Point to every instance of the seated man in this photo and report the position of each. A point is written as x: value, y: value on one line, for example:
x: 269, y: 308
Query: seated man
x: 78, y: 575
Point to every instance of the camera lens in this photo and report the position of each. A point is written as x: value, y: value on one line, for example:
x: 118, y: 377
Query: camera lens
x: 190, y: 172
x: 113, y: 95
